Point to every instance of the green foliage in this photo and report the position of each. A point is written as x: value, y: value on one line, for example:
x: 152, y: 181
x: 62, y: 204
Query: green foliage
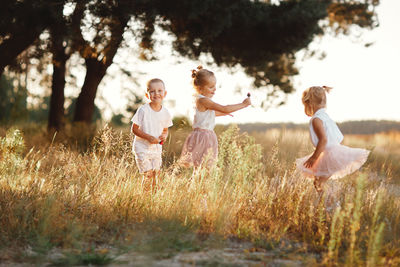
x: 117, y: 120
x: 12, y: 143
x: 13, y: 103
x: 344, y: 14
x: 239, y: 156
x: 376, y: 233
x: 11, y: 148
x: 13, y: 100
x: 261, y: 36
x: 348, y: 235
x: 181, y: 122
x: 40, y: 112
x: 24, y: 14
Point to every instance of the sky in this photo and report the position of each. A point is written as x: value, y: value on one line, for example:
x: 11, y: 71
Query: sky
x: 365, y: 80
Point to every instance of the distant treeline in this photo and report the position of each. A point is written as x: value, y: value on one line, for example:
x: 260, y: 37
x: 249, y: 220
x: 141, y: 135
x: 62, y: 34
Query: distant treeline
x: 348, y: 127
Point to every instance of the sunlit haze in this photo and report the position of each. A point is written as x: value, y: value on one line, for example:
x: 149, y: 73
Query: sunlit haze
x: 364, y: 78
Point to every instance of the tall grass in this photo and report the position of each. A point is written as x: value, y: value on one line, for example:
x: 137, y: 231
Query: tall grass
x: 62, y: 195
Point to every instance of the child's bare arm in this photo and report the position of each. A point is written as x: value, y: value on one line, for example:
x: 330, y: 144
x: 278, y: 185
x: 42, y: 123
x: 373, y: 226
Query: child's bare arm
x: 217, y: 113
x: 209, y: 104
x: 163, y: 135
x: 136, y: 131
x: 322, y: 140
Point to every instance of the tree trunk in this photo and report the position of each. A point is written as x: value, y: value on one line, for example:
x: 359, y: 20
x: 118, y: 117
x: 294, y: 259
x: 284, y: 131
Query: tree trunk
x: 95, y: 71
x: 58, y: 31
x: 56, y: 111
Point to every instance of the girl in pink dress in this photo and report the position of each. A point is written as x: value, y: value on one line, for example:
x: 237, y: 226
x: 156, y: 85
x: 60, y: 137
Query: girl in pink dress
x: 201, y: 146
x: 331, y: 159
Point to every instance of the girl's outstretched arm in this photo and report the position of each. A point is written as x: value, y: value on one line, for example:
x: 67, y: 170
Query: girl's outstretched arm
x: 322, y: 140
x: 217, y: 113
x: 209, y: 104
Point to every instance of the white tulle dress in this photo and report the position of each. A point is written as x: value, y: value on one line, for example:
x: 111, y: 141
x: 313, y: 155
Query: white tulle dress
x: 337, y: 160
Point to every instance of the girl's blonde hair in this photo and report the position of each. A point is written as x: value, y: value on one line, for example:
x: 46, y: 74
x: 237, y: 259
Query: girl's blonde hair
x: 200, y: 77
x: 314, y: 96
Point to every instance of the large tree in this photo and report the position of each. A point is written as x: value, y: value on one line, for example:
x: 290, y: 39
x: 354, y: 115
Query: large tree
x: 21, y: 24
x: 20, y: 28
x: 98, y: 52
x: 58, y: 30
x: 63, y: 43
x: 261, y: 36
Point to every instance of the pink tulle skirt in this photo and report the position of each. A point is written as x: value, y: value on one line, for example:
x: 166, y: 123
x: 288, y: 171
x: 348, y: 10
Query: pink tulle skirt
x: 335, y: 162
x: 200, y: 148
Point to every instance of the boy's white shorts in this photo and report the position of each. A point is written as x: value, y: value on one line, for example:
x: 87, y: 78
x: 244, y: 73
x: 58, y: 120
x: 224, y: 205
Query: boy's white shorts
x: 148, y: 161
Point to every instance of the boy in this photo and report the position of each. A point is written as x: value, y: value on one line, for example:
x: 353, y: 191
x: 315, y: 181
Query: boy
x: 150, y: 127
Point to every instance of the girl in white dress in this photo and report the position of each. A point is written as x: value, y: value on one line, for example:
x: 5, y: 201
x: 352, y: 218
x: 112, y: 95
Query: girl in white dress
x: 331, y: 159
x: 202, y: 142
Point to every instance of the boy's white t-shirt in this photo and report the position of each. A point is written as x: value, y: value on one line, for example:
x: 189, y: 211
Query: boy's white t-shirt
x: 151, y: 122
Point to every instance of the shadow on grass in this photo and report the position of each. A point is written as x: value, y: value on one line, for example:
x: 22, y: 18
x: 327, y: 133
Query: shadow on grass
x: 163, y: 238
x: 84, y: 258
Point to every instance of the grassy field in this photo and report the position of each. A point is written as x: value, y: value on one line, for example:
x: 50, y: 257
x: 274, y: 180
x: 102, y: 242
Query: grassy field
x: 69, y: 200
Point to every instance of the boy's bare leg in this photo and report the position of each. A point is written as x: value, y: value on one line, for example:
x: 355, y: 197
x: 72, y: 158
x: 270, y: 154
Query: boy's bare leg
x: 155, y: 178
x: 149, y: 180
x: 142, y: 184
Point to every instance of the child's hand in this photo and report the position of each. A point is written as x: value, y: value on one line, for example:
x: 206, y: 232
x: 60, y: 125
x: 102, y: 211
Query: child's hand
x: 162, y: 138
x: 247, y: 101
x: 153, y: 140
x: 310, y: 162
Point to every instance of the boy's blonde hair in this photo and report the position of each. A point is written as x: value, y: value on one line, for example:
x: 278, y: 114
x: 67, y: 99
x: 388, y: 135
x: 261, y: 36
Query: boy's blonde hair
x: 155, y: 80
x: 314, y: 96
x: 200, y: 77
